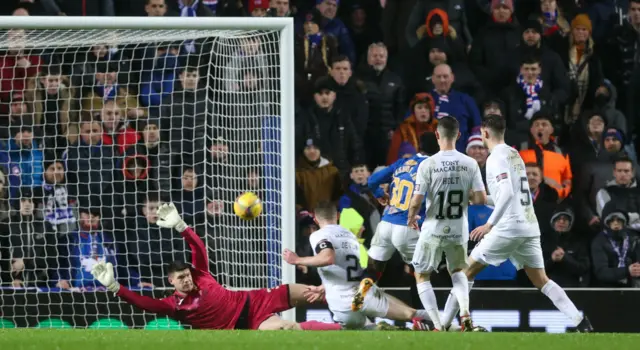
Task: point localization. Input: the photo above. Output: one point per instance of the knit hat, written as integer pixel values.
(323, 84)
(318, 2)
(507, 3)
(532, 24)
(563, 211)
(314, 16)
(474, 140)
(582, 20)
(422, 97)
(406, 148)
(312, 141)
(258, 4)
(49, 159)
(617, 134)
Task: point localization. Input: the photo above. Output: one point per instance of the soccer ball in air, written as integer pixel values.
(247, 206)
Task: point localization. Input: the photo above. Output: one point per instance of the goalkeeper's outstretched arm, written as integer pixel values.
(168, 217)
(103, 272)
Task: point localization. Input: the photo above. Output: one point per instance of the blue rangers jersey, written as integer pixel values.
(401, 177)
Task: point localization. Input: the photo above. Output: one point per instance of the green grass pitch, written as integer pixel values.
(19, 339)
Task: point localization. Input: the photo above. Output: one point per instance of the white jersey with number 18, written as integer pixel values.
(341, 279)
(519, 219)
(447, 178)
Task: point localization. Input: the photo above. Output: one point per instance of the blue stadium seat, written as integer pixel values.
(6, 323)
(108, 323)
(163, 324)
(53, 323)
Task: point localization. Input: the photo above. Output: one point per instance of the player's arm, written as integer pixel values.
(422, 181)
(325, 255)
(103, 272)
(168, 217)
(479, 193)
(383, 176)
(504, 193)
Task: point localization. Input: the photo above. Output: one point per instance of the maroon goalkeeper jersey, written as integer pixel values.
(209, 306)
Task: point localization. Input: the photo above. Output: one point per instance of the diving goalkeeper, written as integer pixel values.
(200, 301)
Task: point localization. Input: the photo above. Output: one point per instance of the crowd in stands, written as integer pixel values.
(93, 138)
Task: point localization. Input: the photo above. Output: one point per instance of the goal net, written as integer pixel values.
(100, 125)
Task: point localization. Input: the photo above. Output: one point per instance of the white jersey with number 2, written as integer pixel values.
(341, 279)
(447, 178)
(519, 219)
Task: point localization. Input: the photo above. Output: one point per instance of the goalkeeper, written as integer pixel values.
(200, 301)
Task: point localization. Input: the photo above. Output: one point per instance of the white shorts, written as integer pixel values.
(390, 237)
(522, 251)
(375, 304)
(429, 254)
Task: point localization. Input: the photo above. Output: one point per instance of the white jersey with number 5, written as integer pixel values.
(341, 279)
(447, 178)
(519, 219)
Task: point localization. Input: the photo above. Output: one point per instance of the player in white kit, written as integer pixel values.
(337, 257)
(449, 179)
(512, 230)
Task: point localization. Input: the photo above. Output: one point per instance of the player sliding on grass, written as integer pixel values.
(201, 302)
(336, 257)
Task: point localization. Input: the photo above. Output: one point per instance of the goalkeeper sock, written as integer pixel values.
(428, 299)
(562, 301)
(319, 326)
(461, 291)
(451, 308)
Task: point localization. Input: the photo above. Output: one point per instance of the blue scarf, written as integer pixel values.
(188, 11)
(57, 208)
(530, 90)
(314, 39)
(107, 92)
(550, 19)
(211, 4)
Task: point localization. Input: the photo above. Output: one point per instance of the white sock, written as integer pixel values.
(561, 301)
(451, 308)
(423, 315)
(428, 299)
(461, 291)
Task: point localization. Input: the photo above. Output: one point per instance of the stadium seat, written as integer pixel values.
(53, 323)
(108, 323)
(6, 323)
(163, 324)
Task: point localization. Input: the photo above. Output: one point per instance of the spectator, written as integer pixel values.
(583, 66)
(190, 8)
(16, 65)
(420, 121)
(90, 163)
(385, 93)
(545, 198)
(32, 251)
(86, 8)
(155, 8)
(545, 152)
(501, 35)
(258, 8)
(192, 198)
(159, 82)
(438, 29)
(95, 66)
(335, 27)
(157, 154)
(358, 196)
(117, 131)
(150, 247)
(362, 31)
(454, 11)
(623, 191)
(527, 95)
(350, 93)
(395, 16)
(479, 152)
(58, 109)
(317, 178)
(313, 53)
(23, 155)
(449, 102)
(131, 184)
(554, 23)
(306, 226)
(605, 102)
(56, 204)
(249, 55)
(565, 251)
(553, 73)
(587, 139)
(493, 106)
(21, 112)
(615, 252)
(620, 53)
(280, 8)
(5, 208)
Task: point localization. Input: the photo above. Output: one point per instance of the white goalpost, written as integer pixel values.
(104, 118)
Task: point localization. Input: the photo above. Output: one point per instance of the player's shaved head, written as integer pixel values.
(448, 128)
(495, 125)
(326, 211)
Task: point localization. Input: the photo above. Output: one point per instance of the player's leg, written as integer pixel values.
(529, 256)
(456, 256)
(297, 295)
(425, 260)
(379, 253)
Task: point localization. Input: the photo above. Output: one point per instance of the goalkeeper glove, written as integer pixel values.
(103, 272)
(168, 217)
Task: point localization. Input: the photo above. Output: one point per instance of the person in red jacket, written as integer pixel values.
(200, 301)
(17, 65)
(116, 131)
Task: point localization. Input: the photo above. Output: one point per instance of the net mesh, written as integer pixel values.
(98, 127)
